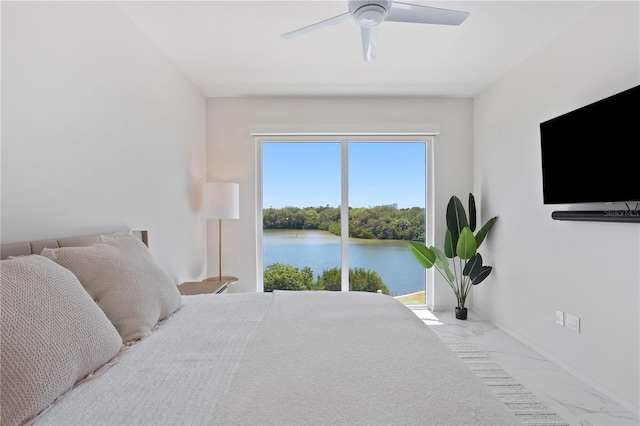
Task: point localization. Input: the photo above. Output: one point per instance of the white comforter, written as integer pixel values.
(285, 358)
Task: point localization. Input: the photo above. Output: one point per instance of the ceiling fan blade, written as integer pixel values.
(369, 42)
(325, 23)
(403, 12)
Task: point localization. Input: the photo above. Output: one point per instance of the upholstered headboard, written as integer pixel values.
(35, 247)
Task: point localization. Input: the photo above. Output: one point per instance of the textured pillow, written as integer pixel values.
(53, 335)
(122, 277)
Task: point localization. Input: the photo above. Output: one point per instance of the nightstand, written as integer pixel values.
(209, 285)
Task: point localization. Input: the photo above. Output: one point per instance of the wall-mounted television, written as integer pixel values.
(590, 155)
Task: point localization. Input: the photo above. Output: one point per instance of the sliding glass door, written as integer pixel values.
(300, 213)
(337, 215)
(387, 209)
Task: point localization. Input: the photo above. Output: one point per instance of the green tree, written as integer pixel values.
(270, 218)
(360, 279)
(311, 218)
(379, 222)
(334, 228)
(280, 276)
(331, 279)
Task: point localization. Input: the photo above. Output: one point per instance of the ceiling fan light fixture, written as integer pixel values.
(369, 15)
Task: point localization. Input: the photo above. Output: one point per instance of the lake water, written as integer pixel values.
(320, 250)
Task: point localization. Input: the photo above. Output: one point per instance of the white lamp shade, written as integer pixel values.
(221, 200)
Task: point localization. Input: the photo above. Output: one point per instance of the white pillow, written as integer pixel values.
(53, 335)
(122, 277)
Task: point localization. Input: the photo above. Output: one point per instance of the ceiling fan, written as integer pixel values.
(369, 14)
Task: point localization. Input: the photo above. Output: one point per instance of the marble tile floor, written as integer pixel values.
(573, 400)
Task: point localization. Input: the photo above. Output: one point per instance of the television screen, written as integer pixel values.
(589, 155)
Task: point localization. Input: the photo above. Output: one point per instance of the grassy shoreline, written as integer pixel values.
(417, 298)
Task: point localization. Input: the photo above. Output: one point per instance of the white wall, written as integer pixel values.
(589, 269)
(231, 157)
(99, 133)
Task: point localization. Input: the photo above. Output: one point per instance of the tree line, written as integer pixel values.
(379, 222)
(281, 276)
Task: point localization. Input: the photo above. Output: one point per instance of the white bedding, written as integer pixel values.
(285, 358)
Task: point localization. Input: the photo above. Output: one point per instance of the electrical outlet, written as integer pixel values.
(560, 318)
(572, 322)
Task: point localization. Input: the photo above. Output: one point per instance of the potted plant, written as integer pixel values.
(460, 245)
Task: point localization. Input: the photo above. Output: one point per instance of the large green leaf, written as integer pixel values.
(442, 263)
(467, 245)
(472, 212)
(450, 243)
(423, 254)
(456, 216)
(473, 266)
(484, 230)
(484, 273)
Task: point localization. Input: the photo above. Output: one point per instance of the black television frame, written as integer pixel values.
(578, 168)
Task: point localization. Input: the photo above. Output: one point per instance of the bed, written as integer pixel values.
(94, 333)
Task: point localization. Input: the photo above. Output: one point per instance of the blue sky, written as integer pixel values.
(307, 174)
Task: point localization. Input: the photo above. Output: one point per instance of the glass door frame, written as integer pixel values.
(344, 139)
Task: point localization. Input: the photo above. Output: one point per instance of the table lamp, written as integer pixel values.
(222, 201)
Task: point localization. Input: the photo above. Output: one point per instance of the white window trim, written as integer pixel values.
(298, 134)
(344, 130)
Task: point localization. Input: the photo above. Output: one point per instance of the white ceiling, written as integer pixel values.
(234, 48)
